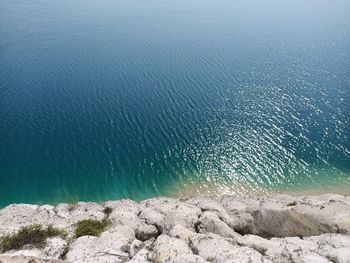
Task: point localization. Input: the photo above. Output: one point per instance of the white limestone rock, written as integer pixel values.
(26, 259)
(207, 204)
(111, 246)
(145, 232)
(333, 246)
(187, 258)
(152, 216)
(175, 212)
(209, 222)
(216, 249)
(67, 215)
(141, 257)
(135, 247)
(55, 247)
(283, 215)
(166, 248)
(31, 252)
(196, 230)
(124, 205)
(182, 233)
(16, 216)
(312, 258)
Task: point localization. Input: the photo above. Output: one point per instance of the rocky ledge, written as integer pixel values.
(279, 229)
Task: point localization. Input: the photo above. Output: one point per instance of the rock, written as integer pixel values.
(214, 248)
(279, 229)
(124, 212)
(67, 215)
(34, 252)
(283, 215)
(207, 204)
(129, 219)
(260, 244)
(124, 205)
(135, 247)
(55, 247)
(111, 246)
(314, 258)
(145, 232)
(152, 216)
(209, 222)
(237, 214)
(124, 232)
(182, 233)
(175, 212)
(13, 217)
(333, 246)
(273, 219)
(295, 249)
(26, 259)
(166, 248)
(339, 255)
(141, 257)
(334, 240)
(330, 211)
(188, 258)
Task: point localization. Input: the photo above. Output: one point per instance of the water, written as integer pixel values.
(133, 99)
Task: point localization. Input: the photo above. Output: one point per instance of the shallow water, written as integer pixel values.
(133, 99)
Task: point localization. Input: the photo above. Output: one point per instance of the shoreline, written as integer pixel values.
(277, 228)
(196, 189)
(193, 189)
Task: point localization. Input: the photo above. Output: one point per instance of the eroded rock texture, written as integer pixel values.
(281, 229)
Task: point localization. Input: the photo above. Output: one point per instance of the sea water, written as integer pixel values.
(133, 99)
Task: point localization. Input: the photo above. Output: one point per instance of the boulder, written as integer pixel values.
(209, 222)
(112, 246)
(187, 258)
(182, 233)
(175, 212)
(216, 249)
(55, 247)
(167, 248)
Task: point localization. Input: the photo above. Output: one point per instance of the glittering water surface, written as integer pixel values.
(133, 99)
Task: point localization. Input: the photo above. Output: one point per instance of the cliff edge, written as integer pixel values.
(279, 229)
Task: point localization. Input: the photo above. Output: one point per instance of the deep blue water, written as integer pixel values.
(132, 99)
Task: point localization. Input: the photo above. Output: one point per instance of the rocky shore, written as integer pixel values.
(226, 229)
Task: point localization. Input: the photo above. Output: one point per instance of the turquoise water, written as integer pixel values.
(133, 99)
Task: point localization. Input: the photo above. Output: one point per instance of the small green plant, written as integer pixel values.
(89, 227)
(56, 232)
(107, 211)
(294, 203)
(35, 235)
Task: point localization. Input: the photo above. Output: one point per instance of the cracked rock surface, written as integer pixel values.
(280, 229)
